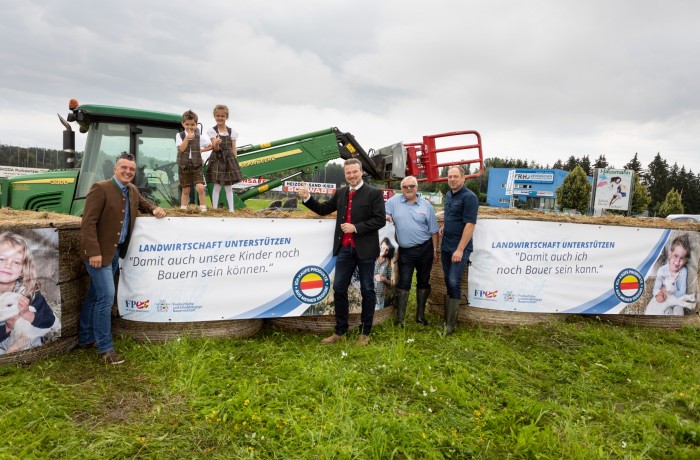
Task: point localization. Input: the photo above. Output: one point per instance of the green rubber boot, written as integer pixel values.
(401, 303)
(421, 298)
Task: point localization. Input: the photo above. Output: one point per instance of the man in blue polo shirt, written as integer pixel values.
(417, 235)
(461, 208)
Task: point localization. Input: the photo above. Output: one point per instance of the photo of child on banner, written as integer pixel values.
(28, 262)
(675, 277)
(385, 276)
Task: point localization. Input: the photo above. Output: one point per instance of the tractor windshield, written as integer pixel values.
(156, 175)
(155, 152)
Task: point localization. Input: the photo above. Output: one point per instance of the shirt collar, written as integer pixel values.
(463, 189)
(405, 200)
(359, 185)
(119, 184)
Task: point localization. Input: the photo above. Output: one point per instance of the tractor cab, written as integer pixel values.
(149, 136)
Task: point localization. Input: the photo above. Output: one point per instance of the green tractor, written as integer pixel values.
(150, 137)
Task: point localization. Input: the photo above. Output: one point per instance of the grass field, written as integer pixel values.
(577, 390)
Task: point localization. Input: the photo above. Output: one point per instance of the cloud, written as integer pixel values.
(540, 80)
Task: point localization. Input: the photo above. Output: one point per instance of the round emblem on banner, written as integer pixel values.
(311, 284)
(629, 285)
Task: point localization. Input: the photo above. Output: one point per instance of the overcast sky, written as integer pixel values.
(540, 80)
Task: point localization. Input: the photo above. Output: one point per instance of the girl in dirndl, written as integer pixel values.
(223, 161)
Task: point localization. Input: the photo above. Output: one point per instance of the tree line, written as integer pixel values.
(652, 185)
(30, 157)
(659, 188)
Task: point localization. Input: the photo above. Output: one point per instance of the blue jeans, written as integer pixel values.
(96, 315)
(345, 264)
(419, 258)
(453, 273)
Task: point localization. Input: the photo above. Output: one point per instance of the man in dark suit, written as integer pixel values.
(108, 219)
(360, 214)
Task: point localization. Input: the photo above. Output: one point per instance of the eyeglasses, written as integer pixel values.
(408, 186)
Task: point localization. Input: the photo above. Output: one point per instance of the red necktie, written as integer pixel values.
(349, 238)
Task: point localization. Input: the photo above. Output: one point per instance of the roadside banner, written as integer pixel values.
(314, 187)
(253, 182)
(12, 171)
(613, 189)
(553, 267)
(179, 269)
(509, 183)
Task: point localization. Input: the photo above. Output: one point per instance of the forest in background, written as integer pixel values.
(659, 177)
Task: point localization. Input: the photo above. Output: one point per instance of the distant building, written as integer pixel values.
(535, 188)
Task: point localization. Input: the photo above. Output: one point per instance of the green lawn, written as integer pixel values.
(581, 390)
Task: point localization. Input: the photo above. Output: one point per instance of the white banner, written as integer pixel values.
(314, 187)
(250, 182)
(553, 267)
(546, 178)
(182, 269)
(12, 171)
(509, 183)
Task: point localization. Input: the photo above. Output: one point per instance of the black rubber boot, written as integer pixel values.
(421, 298)
(401, 303)
(451, 310)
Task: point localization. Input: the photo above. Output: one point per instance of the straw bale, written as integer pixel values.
(324, 323)
(607, 219)
(247, 213)
(161, 332)
(72, 295)
(64, 285)
(632, 314)
(438, 290)
(13, 219)
(661, 322)
(52, 349)
(73, 282)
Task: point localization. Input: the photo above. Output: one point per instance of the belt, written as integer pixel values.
(420, 245)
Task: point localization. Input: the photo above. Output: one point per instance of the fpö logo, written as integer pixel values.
(139, 305)
(629, 285)
(481, 294)
(311, 284)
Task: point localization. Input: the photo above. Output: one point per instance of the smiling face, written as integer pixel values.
(220, 116)
(677, 259)
(125, 170)
(11, 264)
(353, 174)
(383, 249)
(409, 189)
(189, 125)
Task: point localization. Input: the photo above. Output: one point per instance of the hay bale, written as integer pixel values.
(72, 295)
(69, 260)
(73, 281)
(661, 322)
(438, 290)
(488, 317)
(632, 314)
(57, 347)
(61, 281)
(325, 323)
(161, 332)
